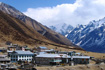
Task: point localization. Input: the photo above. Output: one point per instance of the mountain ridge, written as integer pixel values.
(90, 37)
(12, 29)
(62, 28)
(51, 35)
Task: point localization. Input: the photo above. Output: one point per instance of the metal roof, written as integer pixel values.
(61, 56)
(4, 59)
(49, 55)
(81, 57)
(42, 47)
(12, 46)
(3, 55)
(24, 52)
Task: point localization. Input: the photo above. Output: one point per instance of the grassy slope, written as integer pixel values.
(12, 29)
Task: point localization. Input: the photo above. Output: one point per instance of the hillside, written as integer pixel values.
(14, 30)
(45, 31)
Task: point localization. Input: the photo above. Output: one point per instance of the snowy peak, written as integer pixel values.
(62, 28)
(96, 24)
(80, 26)
(90, 37)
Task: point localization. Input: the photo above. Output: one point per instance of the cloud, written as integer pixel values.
(81, 12)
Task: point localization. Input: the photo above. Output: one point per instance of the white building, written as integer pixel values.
(21, 55)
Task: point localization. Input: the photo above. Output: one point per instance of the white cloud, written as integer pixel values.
(81, 12)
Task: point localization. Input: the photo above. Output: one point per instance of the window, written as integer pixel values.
(15, 56)
(11, 59)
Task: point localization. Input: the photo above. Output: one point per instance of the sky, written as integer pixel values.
(53, 12)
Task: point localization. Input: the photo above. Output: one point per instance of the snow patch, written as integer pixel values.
(86, 42)
(62, 28)
(0, 3)
(100, 34)
(66, 35)
(7, 10)
(79, 43)
(104, 30)
(83, 36)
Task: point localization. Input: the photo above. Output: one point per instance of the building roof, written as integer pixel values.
(3, 55)
(9, 51)
(81, 57)
(27, 48)
(49, 55)
(12, 46)
(42, 47)
(4, 58)
(24, 52)
(45, 55)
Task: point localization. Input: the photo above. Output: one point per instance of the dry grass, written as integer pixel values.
(14, 30)
(77, 67)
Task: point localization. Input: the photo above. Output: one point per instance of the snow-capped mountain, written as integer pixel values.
(62, 28)
(90, 37)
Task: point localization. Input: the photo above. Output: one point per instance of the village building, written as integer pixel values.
(51, 51)
(80, 59)
(11, 48)
(47, 59)
(21, 56)
(71, 58)
(42, 49)
(26, 49)
(2, 49)
(75, 58)
(8, 43)
(8, 66)
(15, 47)
(4, 59)
(71, 53)
(23, 48)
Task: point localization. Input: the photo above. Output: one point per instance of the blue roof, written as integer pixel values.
(42, 47)
(24, 52)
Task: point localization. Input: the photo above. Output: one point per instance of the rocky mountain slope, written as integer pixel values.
(62, 28)
(90, 37)
(14, 30)
(45, 31)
